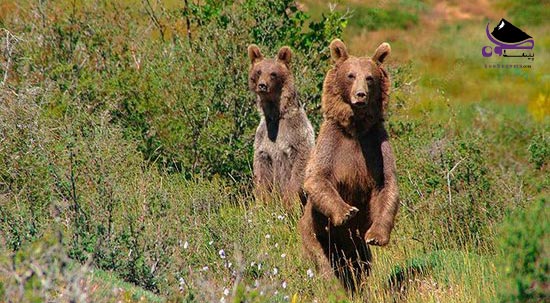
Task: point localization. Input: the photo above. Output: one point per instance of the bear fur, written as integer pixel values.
(350, 177)
(285, 137)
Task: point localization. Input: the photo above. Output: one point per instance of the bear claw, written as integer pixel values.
(376, 237)
(350, 213)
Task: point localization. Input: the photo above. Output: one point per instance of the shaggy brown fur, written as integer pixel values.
(350, 178)
(284, 137)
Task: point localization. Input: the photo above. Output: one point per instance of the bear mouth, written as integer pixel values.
(359, 104)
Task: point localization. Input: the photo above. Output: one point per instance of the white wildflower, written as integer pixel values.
(182, 284)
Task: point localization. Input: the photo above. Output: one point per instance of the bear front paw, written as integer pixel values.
(377, 235)
(343, 217)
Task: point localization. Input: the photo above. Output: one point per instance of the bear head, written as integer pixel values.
(268, 77)
(356, 86)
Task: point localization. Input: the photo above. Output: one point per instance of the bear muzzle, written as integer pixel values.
(262, 88)
(359, 99)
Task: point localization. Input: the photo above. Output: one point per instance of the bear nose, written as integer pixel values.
(361, 94)
(262, 87)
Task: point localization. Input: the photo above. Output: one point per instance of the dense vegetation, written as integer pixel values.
(126, 132)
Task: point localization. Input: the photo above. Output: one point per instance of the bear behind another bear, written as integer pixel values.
(284, 137)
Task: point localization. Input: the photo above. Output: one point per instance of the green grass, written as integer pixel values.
(41, 271)
(125, 158)
(108, 284)
(365, 18)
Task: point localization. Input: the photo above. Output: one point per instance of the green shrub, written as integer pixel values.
(93, 116)
(42, 272)
(446, 175)
(539, 150)
(184, 97)
(524, 254)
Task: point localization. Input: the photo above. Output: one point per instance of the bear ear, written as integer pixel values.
(254, 53)
(381, 53)
(338, 50)
(284, 55)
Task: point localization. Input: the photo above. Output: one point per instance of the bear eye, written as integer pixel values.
(273, 75)
(258, 72)
(370, 79)
(351, 76)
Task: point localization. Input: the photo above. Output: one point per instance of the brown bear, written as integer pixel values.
(350, 178)
(285, 136)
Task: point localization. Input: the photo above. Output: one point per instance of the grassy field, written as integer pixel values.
(126, 134)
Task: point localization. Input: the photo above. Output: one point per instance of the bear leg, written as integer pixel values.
(263, 175)
(313, 248)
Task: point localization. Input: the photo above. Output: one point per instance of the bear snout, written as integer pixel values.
(262, 87)
(361, 95)
(359, 99)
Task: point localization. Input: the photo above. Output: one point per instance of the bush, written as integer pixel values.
(110, 125)
(524, 254)
(539, 149)
(445, 175)
(42, 272)
(184, 96)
